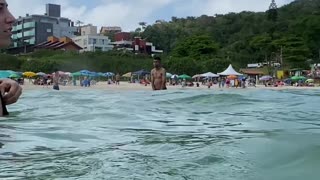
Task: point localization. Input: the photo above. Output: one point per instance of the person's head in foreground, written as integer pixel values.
(157, 62)
(6, 22)
(9, 88)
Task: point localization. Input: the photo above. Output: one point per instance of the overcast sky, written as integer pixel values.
(127, 13)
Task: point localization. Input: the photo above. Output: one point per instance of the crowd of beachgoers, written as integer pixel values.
(227, 79)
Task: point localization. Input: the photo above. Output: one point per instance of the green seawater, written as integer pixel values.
(176, 135)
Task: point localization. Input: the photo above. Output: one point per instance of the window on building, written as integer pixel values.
(94, 41)
(49, 30)
(98, 48)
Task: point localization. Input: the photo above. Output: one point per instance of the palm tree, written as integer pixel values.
(79, 23)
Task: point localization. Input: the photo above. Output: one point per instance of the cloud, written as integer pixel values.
(128, 13)
(123, 13)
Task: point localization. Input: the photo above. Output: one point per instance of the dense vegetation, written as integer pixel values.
(249, 37)
(47, 61)
(206, 43)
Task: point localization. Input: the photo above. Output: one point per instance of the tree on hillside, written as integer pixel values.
(295, 51)
(143, 25)
(196, 47)
(194, 55)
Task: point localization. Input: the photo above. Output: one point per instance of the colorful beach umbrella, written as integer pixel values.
(184, 76)
(209, 75)
(129, 74)
(29, 74)
(109, 74)
(196, 76)
(14, 75)
(232, 77)
(85, 72)
(174, 76)
(142, 72)
(41, 74)
(168, 75)
(4, 74)
(68, 73)
(11, 72)
(298, 78)
(265, 78)
(310, 80)
(93, 74)
(101, 74)
(76, 74)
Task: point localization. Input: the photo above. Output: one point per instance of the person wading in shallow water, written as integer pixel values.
(118, 79)
(56, 81)
(158, 75)
(10, 90)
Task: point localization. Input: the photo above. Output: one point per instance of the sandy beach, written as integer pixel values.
(125, 86)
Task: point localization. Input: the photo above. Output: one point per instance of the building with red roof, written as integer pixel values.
(54, 43)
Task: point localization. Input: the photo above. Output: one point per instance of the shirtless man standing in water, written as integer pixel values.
(158, 75)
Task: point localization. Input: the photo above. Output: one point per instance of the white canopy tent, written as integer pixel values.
(230, 71)
(209, 75)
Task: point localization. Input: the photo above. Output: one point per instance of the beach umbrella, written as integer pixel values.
(76, 74)
(4, 74)
(168, 75)
(11, 72)
(129, 74)
(109, 74)
(19, 73)
(209, 75)
(287, 81)
(61, 73)
(93, 74)
(298, 78)
(175, 76)
(14, 75)
(41, 74)
(232, 77)
(68, 73)
(184, 76)
(242, 77)
(310, 80)
(85, 72)
(101, 74)
(196, 76)
(29, 74)
(265, 78)
(141, 72)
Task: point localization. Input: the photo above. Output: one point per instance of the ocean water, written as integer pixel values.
(176, 135)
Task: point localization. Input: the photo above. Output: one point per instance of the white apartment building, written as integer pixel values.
(93, 43)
